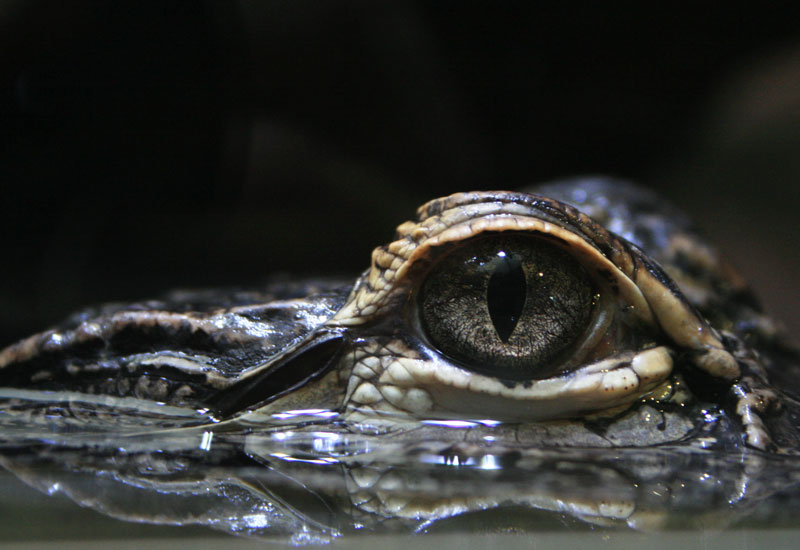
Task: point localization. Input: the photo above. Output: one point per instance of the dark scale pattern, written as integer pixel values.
(179, 350)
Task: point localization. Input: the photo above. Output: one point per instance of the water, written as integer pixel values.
(309, 478)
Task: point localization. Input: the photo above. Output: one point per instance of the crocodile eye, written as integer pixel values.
(508, 305)
(517, 307)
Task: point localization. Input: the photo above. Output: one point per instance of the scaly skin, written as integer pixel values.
(304, 375)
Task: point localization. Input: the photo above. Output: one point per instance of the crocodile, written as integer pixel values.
(581, 330)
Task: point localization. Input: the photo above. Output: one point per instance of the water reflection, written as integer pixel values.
(313, 481)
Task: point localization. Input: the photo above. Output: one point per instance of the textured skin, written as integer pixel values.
(305, 376)
(233, 352)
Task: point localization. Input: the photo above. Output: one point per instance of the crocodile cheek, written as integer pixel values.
(422, 387)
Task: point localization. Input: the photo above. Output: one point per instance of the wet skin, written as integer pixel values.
(497, 328)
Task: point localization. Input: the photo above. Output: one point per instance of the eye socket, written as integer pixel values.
(511, 306)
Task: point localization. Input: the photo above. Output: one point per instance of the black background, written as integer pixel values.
(150, 145)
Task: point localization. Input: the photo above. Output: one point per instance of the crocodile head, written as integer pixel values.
(584, 314)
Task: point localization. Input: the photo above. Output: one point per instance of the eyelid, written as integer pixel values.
(402, 279)
(600, 267)
(594, 387)
(651, 295)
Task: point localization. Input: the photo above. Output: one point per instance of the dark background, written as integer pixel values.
(149, 145)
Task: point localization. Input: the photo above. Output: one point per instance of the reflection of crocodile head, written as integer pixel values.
(498, 325)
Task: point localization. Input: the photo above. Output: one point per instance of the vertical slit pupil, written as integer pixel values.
(505, 294)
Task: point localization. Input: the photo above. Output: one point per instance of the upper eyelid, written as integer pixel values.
(395, 267)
